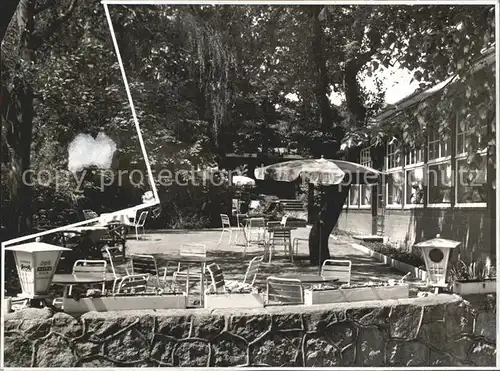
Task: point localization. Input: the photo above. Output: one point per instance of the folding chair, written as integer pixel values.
(284, 291)
(140, 224)
(340, 269)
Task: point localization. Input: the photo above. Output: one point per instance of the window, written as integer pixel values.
(438, 169)
(394, 187)
(366, 195)
(415, 186)
(466, 136)
(438, 147)
(393, 155)
(414, 178)
(365, 157)
(354, 196)
(439, 183)
(394, 174)
(471, 171)
(471, 180)
(365, 191)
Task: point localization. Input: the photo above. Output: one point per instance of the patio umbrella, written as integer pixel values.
(240, 180)
(323, 172)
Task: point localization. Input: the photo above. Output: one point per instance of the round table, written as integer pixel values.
(189, 260)
(309, 278)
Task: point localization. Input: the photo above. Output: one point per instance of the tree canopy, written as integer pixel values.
(207, 80)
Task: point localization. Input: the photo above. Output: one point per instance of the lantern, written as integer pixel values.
(436, 254)
(36, 263)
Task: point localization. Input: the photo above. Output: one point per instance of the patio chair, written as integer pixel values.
(190, 249)
(284, 291)
(89, 214)
(340, 269)
(97, 267)
(280, 237)
(255, 225)
(140, 224)
(217, 282)
(146, 265)
(226, 227)
(252, 270)
(117, 262)
(133, 284)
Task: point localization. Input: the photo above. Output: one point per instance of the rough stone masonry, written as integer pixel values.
(442, 330)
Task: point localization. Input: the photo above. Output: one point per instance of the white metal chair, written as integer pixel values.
(89, 214)
(97, 267)
(340, 269)
(217, 283)
(250, 274)
(190, 249)
(284, 291)
(226, 227)
(255, 225)
(133, 284)
(118, 263)
(140, 224)
(252, 270)
(146, 265)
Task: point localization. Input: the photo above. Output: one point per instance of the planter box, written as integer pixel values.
(356, 294)
(478, 287)
(416, 273)
(236, 300)
(114, 303)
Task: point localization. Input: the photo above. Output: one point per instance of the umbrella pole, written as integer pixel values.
(320, 246)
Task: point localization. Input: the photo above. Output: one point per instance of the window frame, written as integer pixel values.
(412, 166)
(365, 159)
(394, 145)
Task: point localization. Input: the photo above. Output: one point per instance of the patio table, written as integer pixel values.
(108, 218)
(95, 232)
(189, 260)
(67, 280)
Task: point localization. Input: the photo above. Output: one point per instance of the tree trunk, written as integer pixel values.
(332, 202)
(18, 114)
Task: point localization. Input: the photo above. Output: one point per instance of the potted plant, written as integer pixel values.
(94, 300)
(324, 294)
(473, 278)
(234, 295)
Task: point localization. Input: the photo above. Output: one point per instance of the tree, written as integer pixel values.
(18, 96)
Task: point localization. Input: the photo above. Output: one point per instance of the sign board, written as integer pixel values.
(36, 263)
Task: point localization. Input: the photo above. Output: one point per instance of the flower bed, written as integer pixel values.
(366, 292)
(413, 258)
(235, 295)
(93, 300)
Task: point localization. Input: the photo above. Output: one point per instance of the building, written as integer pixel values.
(442, 184)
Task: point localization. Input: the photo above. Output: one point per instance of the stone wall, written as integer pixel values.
(442, 330)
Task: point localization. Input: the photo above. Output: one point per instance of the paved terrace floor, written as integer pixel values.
(234, 265)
